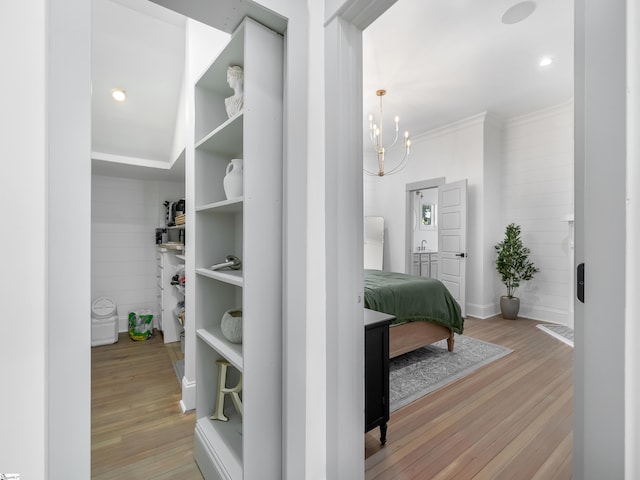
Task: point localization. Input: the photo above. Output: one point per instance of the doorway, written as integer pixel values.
(421, 236)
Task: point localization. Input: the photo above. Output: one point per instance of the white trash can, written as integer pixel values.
(104, 322)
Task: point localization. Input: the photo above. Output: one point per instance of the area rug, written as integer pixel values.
(561, 332)
(422, 371)
(178, 366)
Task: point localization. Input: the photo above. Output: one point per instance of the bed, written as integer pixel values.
(425, 311)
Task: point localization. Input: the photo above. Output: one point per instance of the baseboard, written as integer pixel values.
(482, 311)
(188, 401)
(552, 315)
(561, 317)
(123, 323)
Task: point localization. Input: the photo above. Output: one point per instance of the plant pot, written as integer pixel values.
(509, 307)
(231, 325)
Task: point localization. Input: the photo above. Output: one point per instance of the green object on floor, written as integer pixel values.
(140, 325)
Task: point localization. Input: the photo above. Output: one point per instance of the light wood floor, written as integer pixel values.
(138, 431)
(509, 420)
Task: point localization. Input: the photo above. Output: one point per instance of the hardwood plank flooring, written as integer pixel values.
(137, 428)
(509, 419)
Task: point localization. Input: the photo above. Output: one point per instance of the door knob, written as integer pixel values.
(461, 255)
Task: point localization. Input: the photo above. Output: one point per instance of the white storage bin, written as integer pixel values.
(104, 322)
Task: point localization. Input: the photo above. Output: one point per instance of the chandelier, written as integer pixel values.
(375, 134)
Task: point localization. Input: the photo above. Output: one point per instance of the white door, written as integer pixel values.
(452, 239)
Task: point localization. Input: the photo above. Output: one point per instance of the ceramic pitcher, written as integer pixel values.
(233, 179)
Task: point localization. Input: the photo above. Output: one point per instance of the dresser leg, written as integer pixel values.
(383, 433)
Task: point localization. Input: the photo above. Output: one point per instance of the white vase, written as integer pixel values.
(231, 325)
(233, 179)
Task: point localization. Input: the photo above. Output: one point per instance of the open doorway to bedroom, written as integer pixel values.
(497, 115)
(517, 153)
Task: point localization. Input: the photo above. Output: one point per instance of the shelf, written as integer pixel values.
(248, 448)
(167, 294)
(231, 351)
(233, 277)
(222, 442)
(225, 139)
(214, 77)
(226, 206)
(171, 246)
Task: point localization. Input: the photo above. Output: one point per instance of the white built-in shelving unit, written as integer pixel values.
(168, 259)
(249, 227)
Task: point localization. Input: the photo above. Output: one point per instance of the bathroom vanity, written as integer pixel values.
(425, 264)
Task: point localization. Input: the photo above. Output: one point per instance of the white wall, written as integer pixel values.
(600, 414)
(124, 215)
(45, 356)
(518, 171)
(456, 152)
(68, 144)
(537, 185)
(23, 357)
(632, 333)
(492, 226)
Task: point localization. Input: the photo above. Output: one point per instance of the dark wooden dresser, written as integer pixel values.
(376, 371)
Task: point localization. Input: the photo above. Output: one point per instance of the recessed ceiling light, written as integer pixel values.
(545, 61)
(518, 12)
(119, 95)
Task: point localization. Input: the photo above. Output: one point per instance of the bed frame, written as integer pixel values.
(406, 337)
(403, 337)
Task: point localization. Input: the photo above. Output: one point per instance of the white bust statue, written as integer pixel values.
(234, 103)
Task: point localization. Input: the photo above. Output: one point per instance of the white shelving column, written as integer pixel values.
(249, 227)
(169, 295)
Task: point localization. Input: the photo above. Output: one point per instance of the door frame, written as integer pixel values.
(410, 189)
(601, 28)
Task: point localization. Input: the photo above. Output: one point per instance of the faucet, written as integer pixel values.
(422, 245)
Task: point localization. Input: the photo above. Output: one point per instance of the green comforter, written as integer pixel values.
(411, 299)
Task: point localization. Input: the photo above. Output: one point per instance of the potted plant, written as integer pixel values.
(514, 267)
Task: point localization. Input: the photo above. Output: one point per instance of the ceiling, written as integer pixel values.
(140, 47)
(444, 60)
(439, 60)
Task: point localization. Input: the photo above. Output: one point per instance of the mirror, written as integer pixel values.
(427, 217)
(425, 209)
